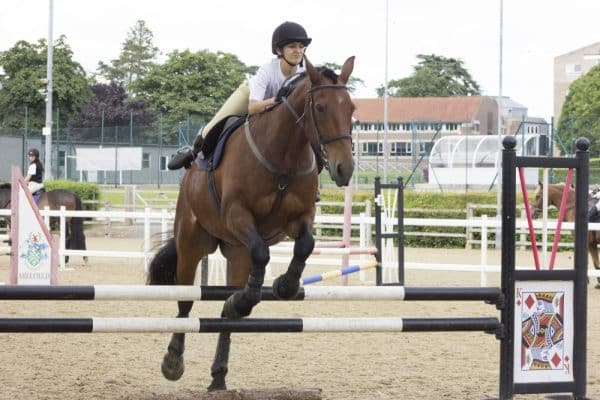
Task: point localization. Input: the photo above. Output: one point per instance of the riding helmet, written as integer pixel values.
(288, 32)
(34, 152)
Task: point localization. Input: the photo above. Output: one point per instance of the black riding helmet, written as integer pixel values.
(34, 152)
(288, 32)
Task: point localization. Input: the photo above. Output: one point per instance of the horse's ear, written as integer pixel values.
(347, 70)
(313, 73)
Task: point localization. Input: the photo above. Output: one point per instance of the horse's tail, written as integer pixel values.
(77, 240)
(163, 266)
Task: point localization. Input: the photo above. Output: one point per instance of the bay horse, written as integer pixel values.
(54, 199)
(555, 193)
(263, 190)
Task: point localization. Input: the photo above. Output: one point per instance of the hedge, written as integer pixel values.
(85, 190)
(417, 204)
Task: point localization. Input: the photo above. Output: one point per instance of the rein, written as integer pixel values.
(282, 177)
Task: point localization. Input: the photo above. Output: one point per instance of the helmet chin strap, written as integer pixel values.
(289, 63)
(301, 63)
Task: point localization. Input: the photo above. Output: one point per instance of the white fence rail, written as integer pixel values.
(365, 223)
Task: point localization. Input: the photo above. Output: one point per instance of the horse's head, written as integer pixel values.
(555, 194)
(537, 205)
(328, 110)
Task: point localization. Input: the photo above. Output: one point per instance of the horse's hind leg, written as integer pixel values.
(286, 285)
(192, 244)
(241, 266)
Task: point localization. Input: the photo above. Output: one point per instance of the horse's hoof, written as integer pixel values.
(218, 383)
(284, 288)
(172, 366)
(231, 310)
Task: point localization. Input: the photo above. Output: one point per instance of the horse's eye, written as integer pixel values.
(319, 107)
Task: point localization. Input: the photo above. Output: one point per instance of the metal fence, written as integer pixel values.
(158, 143)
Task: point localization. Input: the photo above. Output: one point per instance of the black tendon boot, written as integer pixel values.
(320, 164)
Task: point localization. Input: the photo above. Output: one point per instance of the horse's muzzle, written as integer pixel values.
(341, 172)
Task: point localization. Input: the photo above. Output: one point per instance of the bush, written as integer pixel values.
(450, 205)
(85, 190)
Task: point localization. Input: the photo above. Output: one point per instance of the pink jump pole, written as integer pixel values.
(561, 217)
(346, 233)
(536, 256)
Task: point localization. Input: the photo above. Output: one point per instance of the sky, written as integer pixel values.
(534, 33)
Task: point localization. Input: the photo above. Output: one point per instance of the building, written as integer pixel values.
(570, 66)
(414, 124)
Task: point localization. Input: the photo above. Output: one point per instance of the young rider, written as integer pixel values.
(288, 43)
(35, 171)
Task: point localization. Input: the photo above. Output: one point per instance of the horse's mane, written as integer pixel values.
(328, 73)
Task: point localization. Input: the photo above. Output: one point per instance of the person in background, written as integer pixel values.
(35, 171)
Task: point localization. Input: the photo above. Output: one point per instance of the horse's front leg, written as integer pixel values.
(286, 286)
(240, 304)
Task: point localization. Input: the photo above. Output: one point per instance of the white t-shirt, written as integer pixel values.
(268, 80)
(31, 170)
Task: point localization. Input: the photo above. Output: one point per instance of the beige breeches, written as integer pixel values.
(236, 104)
(34, 186)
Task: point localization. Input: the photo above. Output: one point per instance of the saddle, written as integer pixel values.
(211, 152)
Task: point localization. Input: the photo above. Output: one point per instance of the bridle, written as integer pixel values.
(329, 139)
(311, 102)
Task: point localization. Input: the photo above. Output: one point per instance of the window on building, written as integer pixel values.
(369, 148)
(401, 148)
(425, 148)
(573, 68)
(163, 162)
(61, 158)
(145, 160)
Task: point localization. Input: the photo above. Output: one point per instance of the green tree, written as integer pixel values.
(580, 114)
(136, 58)
(191, 85)
(22, 83)
(435, 76)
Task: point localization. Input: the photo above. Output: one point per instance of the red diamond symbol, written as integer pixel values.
(556, 360)
(529, 301)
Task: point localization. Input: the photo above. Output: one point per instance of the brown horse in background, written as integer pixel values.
(54, 199)
(263, 190)
(555, 193)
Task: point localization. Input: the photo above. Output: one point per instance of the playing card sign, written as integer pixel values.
(544, 330)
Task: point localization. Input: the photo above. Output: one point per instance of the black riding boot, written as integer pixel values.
(186, 155)
(183, 158)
